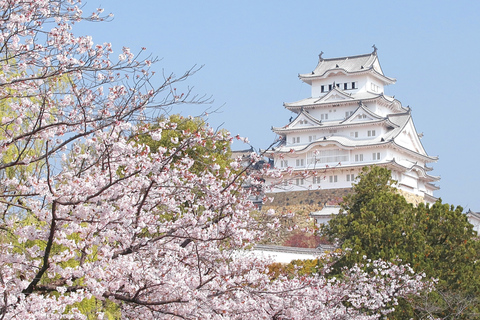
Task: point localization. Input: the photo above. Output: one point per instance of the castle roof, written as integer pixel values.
(291, 127)
(329, 98)
(347, 65)
(397, 122)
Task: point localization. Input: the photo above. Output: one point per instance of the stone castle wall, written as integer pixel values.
(302, 203)
(308, 200)
(410, 197)
(314, 200)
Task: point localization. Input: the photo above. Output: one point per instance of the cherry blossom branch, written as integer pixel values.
(46, 254)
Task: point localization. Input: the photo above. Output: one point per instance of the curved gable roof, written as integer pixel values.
(361, 109)
(295, 123)
(334, 95)
(348, 65)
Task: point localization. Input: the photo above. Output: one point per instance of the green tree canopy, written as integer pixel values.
(212, 152)
(378, 223)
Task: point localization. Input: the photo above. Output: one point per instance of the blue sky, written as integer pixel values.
(252, 52)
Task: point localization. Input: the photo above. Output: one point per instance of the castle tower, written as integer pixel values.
(346, 124)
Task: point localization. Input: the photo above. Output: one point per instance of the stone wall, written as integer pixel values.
(411, 198)
(301, 204)
(305, 201)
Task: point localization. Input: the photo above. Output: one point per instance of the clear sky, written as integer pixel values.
(253, 51)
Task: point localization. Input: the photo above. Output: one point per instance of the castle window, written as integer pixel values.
(284, 163)
(333, 179)
(327, 156)
(316, 180)
(299, 181)
(354, 85)
(358, 157)
(376, 156)
(323, 88)
(300, 162)
(345, 86)
(324, 116)
(312, 138)
(348, 113)
(371, 133)
(329, 87)
(296, 140)
(350, 177)
(354, 134)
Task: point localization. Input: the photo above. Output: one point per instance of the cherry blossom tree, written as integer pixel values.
(97, 215)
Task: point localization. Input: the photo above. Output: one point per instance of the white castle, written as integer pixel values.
(346, 124)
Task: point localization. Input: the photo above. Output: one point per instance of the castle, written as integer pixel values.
(346, 124)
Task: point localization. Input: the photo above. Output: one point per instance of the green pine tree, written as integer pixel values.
(437, 239)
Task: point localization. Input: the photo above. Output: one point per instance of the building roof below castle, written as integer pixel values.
(326, 211)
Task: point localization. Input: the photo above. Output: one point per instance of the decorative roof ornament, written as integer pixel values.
(360, 103)
(320, 56)
(374, 50)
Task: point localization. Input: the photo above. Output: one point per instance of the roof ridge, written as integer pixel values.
(348, 57)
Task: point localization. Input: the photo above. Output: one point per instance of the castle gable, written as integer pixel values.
(335, 95)
(362, 114)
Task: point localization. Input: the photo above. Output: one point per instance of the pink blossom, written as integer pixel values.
(90, 212)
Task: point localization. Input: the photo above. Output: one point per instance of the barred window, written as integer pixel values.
(327, 156)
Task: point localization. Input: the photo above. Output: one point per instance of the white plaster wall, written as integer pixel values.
(322, 220)
(335, 113)
(409, 181)
(475, 222)
(421, 186)
(304, 138)
(311, 184)
(368, 158)
(375, 81)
